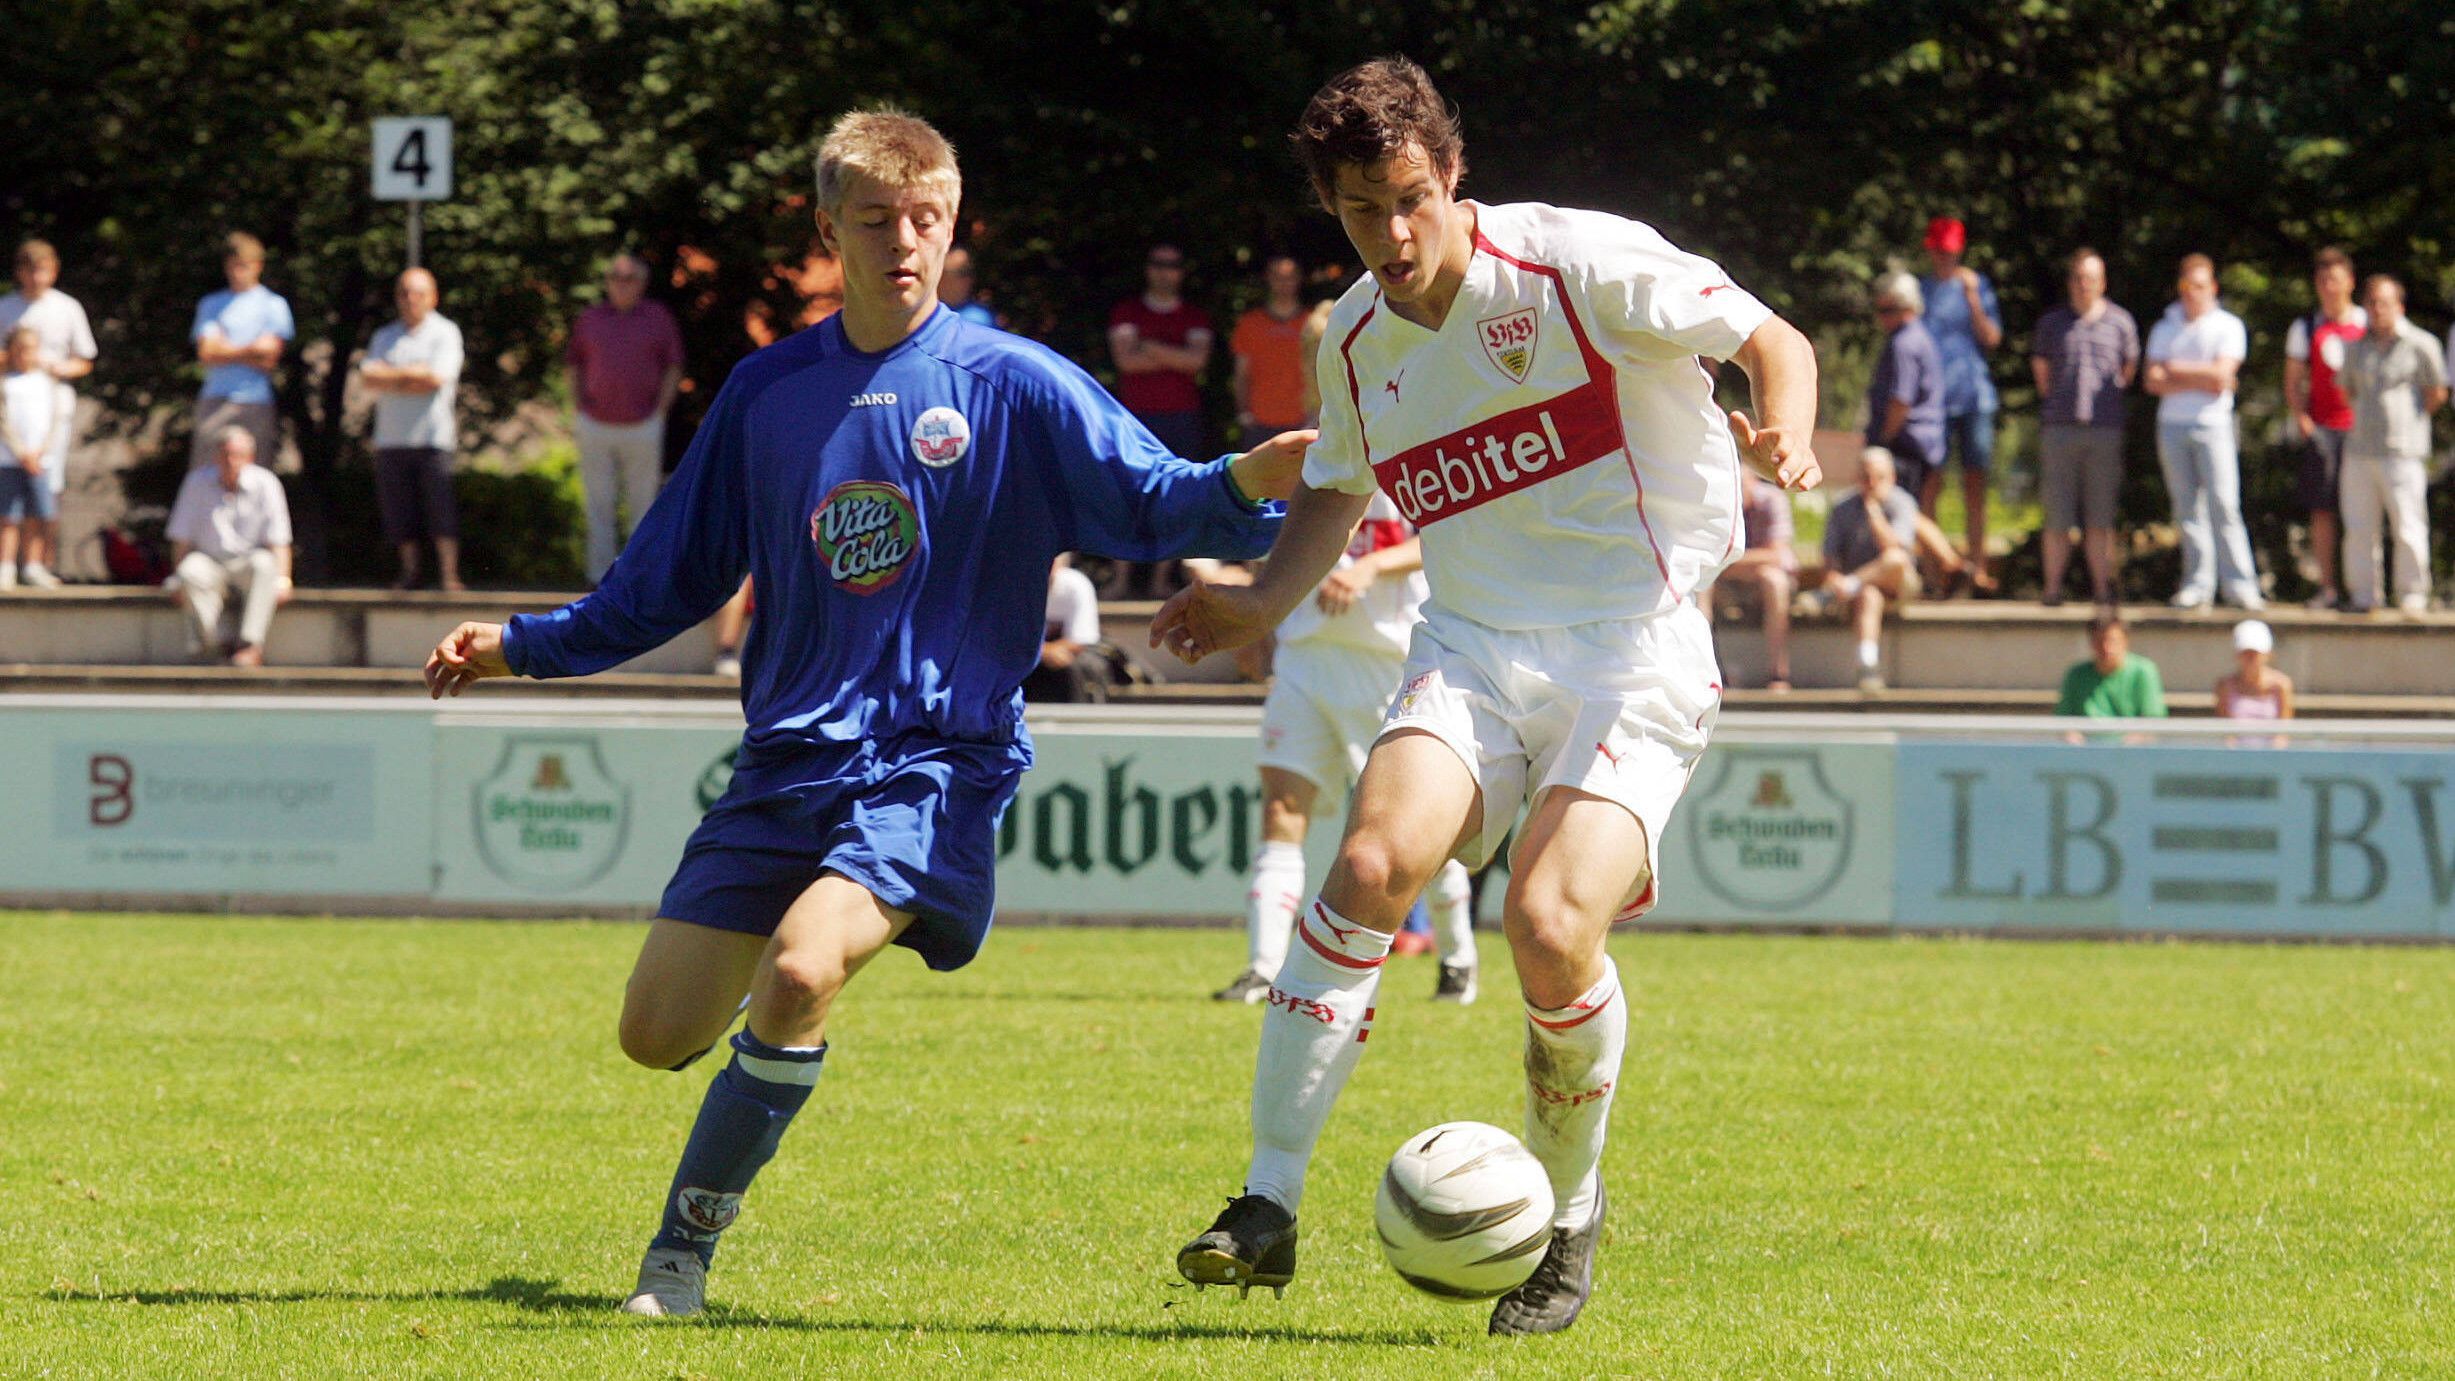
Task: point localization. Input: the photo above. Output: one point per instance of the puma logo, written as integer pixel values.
(1615, 758)
(1718, 287)
(1392, 384)
(1339, 932)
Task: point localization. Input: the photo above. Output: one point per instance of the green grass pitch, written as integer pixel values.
(258, 1148)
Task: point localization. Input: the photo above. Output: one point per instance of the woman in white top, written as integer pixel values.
(2256, 689)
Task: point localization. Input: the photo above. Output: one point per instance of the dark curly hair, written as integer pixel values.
(1371, 112)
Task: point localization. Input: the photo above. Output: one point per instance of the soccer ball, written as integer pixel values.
(1464, 1211)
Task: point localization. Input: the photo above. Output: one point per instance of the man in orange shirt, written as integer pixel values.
(1268, 344)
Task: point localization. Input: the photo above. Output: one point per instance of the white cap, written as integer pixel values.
(2250, 635)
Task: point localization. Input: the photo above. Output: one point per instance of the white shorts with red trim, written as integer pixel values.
(1621, 709)
(1326, 703)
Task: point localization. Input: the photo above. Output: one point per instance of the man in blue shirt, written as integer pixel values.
(1962, 316)
(240, 334)
(896, 480)
(1905, 394)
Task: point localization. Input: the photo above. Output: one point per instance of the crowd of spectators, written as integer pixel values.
(2361, 383)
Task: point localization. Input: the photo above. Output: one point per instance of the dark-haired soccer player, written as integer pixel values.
(1524, 383)
(897, 480)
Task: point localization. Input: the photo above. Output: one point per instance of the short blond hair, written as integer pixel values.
(890, 147)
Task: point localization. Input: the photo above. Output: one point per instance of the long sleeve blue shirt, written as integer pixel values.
(897, 512)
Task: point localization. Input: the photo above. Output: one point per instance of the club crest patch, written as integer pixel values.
(866, 532)
(708, 1211)
(1509, 340)
(940, 438)
(1413, 691)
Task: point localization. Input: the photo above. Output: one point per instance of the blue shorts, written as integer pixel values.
(1969, 437)
(913, 819)
(23, 495)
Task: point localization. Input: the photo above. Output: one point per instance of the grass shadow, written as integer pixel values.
(547, 1297)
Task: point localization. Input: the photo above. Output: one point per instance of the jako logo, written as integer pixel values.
(866, 532)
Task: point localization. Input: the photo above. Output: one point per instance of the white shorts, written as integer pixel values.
(1324, 710)
(1620, 708)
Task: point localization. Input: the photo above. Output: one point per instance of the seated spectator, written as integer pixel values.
(230, 533)
(2256, 689)
(2395, 373)
(1768, 570)
(1871, 544)
(732, 622)
(30, 421)
(2111, 683)
(1069, 671)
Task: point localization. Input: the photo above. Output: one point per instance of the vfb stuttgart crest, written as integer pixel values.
(550, 817)
(1770, 833)
(866, 532)
(940, 438)
(1509, 341)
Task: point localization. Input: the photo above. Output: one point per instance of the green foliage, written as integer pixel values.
(1804, 142)
(524, 529)
(396, 1148)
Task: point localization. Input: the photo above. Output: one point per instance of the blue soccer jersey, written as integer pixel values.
(897, 513)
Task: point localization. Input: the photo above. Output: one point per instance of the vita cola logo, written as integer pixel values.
(866, 531)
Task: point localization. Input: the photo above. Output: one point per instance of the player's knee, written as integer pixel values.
(650, 1040)
(805, 980)
(1544, 924)
(1372, 867)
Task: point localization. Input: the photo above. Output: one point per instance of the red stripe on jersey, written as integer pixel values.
(1738, 474)
(1600, 375)
(1378, 534)
(1355, 394)
(1501, 455)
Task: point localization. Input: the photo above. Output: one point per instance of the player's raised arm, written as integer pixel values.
(685, 559)
(1203, 618)
(1122, 494)
(1781, 368)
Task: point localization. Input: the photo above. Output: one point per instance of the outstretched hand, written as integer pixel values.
(1778, 453)
(1204, 618)
(468, 654)
(1273, 469)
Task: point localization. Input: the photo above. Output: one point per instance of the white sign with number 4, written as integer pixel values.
(413, 158)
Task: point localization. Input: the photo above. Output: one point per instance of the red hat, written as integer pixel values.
(1946, 234)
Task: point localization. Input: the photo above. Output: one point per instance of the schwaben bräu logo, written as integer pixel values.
(550, 816)
(1770, 833)
(866, 533)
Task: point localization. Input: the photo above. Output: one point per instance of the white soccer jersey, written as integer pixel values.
(1557, 439)
(1383, 617)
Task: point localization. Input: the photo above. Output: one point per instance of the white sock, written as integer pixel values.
(1271, 899)
(1320, 1013)
(1452, 900)
(1869, 654)
(1850, 586)
(1572, 1063)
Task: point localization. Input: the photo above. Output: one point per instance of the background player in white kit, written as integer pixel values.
(1340, 654)
(1523, 382)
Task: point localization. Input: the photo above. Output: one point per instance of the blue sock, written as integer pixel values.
(749, 1104)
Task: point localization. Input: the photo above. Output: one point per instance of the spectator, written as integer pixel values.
(240, 335)
(230, 533)
(2110, 683)
(64, 349)
(956, 285)
(413, 369)
(2194, 357)
(1871, 543)
(2256, 689)
(2084, 358)
(732, 622)
(1768, 569)
(626, 366)
(1905, 396)
(1161, 345)
(1268, 345)
(1967, 324)
(2322, 415)
(2395, 375)
(29, 417)
(1069, 642)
